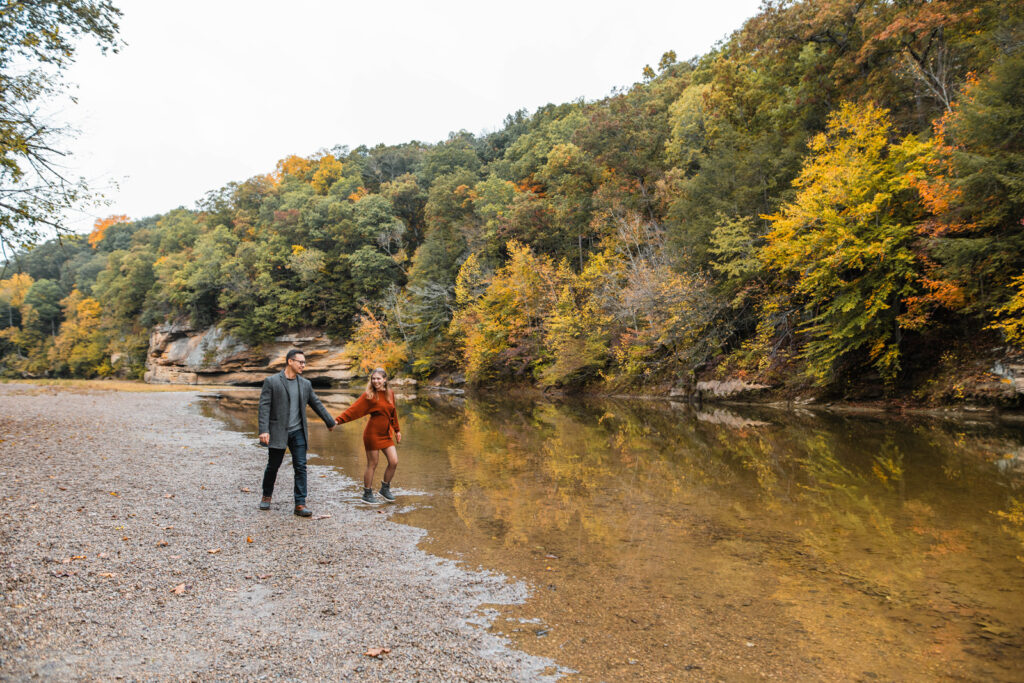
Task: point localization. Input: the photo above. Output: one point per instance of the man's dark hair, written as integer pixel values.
(293, 353)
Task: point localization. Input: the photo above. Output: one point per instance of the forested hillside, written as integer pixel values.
(834, 195)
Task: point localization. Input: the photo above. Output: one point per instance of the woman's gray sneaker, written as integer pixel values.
(385, 490)
(368, 497)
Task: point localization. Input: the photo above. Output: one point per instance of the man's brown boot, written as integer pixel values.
(265, 503)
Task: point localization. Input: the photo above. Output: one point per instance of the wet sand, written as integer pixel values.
(131, 548)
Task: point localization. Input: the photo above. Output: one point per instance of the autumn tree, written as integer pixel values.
(80, 346)
(502, 329)
(373, 346)
(38, 42)
(975, 189)
(12, 295)
(99, 228)
(578, 328)
(846, 240)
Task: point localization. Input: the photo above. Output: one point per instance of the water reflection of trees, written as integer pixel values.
(882, 497)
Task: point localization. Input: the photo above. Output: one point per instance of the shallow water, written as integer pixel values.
(664, 542)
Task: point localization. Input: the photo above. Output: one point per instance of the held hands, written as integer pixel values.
(265, 438)
(398, 437)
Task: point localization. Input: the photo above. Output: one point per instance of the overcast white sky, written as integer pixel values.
(206, 92)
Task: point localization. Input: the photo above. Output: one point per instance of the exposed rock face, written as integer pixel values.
(730, 388)
(179, 354)
(1011, 371)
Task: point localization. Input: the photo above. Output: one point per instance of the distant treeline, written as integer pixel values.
(834, 194)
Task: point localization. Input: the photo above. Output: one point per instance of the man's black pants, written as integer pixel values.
(297, 447)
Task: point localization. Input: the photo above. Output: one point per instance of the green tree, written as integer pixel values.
(977, 191)
(44, 297)
(456, 154)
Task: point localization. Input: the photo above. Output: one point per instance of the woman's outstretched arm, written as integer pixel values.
(355, 411)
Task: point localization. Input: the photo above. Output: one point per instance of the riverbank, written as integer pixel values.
(131, 547)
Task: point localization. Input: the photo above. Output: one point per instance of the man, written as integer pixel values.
(282, 423)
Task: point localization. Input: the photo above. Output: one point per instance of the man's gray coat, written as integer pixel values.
(273, 412)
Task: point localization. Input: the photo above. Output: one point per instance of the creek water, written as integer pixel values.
(663, 542)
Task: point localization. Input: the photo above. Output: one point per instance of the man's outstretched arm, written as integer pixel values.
(314, 401)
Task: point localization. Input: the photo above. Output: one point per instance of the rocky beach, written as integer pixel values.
(131, 548)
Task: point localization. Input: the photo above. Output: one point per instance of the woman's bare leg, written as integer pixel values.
(391, 453)
(371, 467)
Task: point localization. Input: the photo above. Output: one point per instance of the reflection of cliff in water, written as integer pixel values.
(834, 543)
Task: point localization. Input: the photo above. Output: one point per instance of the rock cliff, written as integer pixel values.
(179, 354)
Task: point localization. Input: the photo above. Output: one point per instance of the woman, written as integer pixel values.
(379, 403)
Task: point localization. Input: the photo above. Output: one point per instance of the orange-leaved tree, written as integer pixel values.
(99, 228)
(373, 347)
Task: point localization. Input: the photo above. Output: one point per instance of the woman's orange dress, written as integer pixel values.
(383, 418)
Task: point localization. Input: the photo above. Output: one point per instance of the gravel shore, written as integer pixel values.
(131, 548)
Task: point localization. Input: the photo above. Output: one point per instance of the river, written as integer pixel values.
(663, 542)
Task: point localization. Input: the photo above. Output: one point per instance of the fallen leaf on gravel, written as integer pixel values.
(264, 576)
(168, 527)
(107, 575)
(213, 551)
(161, 544)
(62, 488)
(124, 538)
(78, 557)
(551, 557)
(321, 517)
(248, 539)
(168, 495)
(179, 589)
(377, 651)
(245, 489)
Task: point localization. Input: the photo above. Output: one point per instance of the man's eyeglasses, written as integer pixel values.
(300, 362)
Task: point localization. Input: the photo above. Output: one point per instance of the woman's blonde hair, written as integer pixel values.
(370, 392)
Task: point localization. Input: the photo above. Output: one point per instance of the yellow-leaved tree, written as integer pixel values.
(373, 347)
(80, 346)
(501, 329)
(846, 241)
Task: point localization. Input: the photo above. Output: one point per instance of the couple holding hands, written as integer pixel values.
(282, 424)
